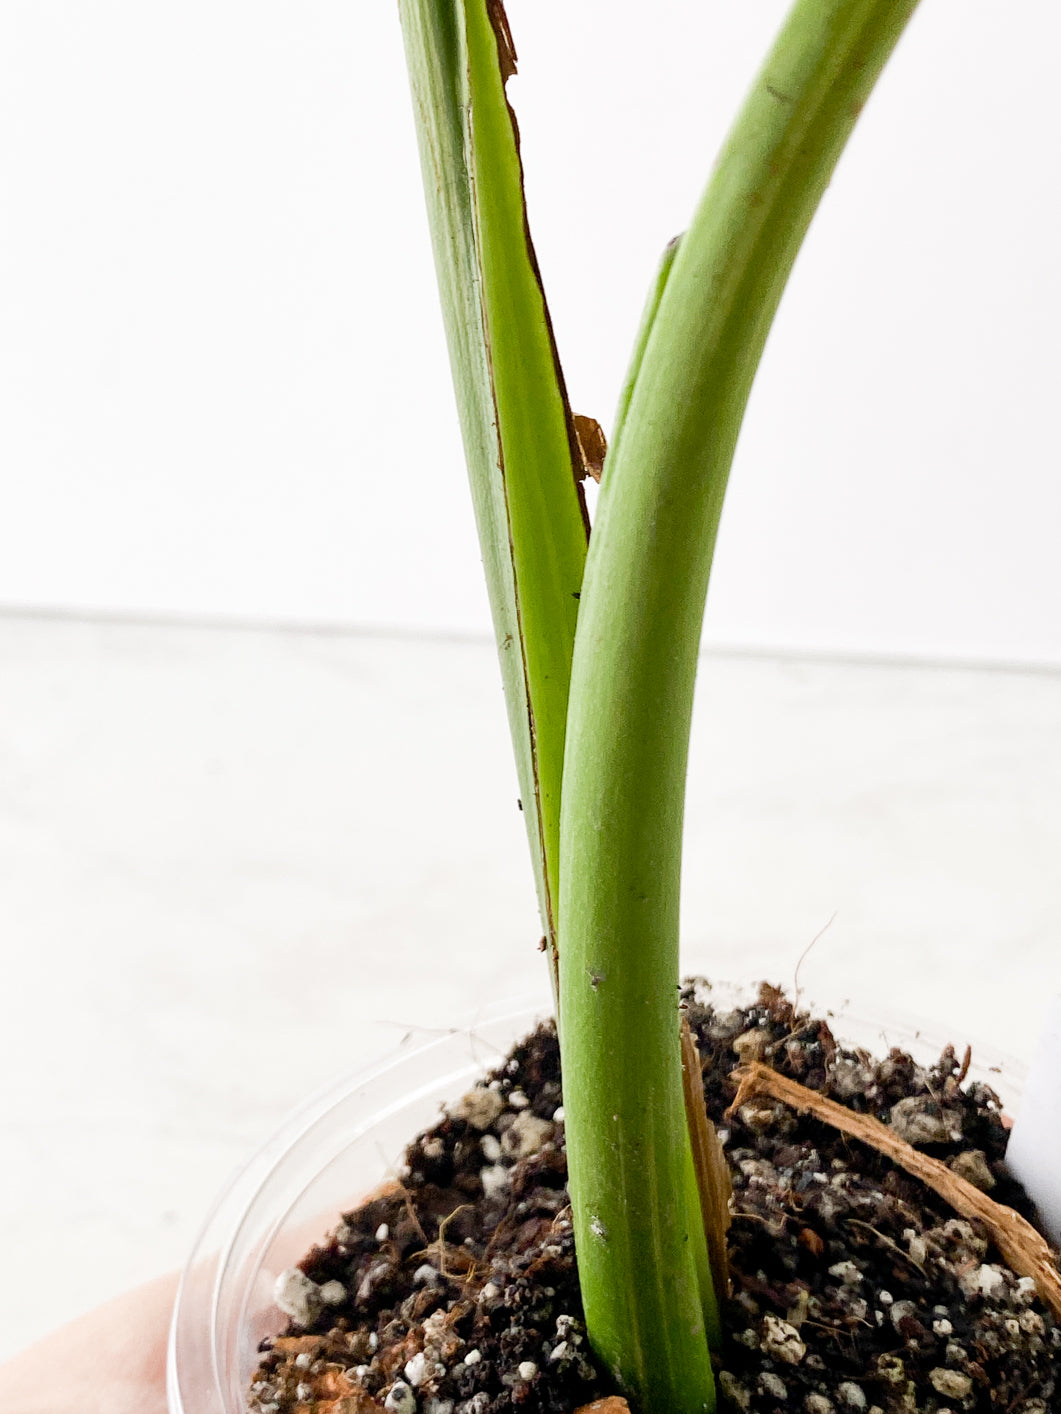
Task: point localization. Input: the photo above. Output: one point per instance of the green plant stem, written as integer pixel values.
(632, 688)
(644, 329)
(518, 433)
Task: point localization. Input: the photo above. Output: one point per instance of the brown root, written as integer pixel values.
(1023, 1249)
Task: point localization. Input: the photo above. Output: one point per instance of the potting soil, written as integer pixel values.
(856, 1290)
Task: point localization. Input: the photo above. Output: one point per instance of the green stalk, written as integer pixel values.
(648, 318)
(632, 688)
(519, 438)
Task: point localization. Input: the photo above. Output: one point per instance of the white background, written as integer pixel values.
(222, 370)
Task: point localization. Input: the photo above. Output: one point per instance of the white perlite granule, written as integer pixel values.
(495, 1180)
(401, 1399)
(480, 1107)
(782, 1341)
(526, 1135)
(297, 1296)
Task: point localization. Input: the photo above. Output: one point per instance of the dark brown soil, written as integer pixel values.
(856, 1290)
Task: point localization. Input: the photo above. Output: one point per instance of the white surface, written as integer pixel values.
(224, 388)
(1034, 1150)
(233, 865)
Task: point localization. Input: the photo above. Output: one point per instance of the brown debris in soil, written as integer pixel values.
(1026, 1250)
(712, 1173)
(856, 1289)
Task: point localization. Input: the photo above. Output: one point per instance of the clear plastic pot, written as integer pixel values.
(345, 1142)
(332, 1152)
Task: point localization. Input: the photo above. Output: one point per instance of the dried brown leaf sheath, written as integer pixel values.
(506, 49)
(712, 1172)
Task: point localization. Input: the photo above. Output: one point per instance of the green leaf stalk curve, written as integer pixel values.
(632, 689)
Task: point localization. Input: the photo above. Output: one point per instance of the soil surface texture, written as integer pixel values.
(856, 1290)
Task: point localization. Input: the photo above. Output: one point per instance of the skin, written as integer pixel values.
(112, 1361)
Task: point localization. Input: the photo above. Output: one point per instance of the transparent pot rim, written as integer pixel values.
(194, 1350)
